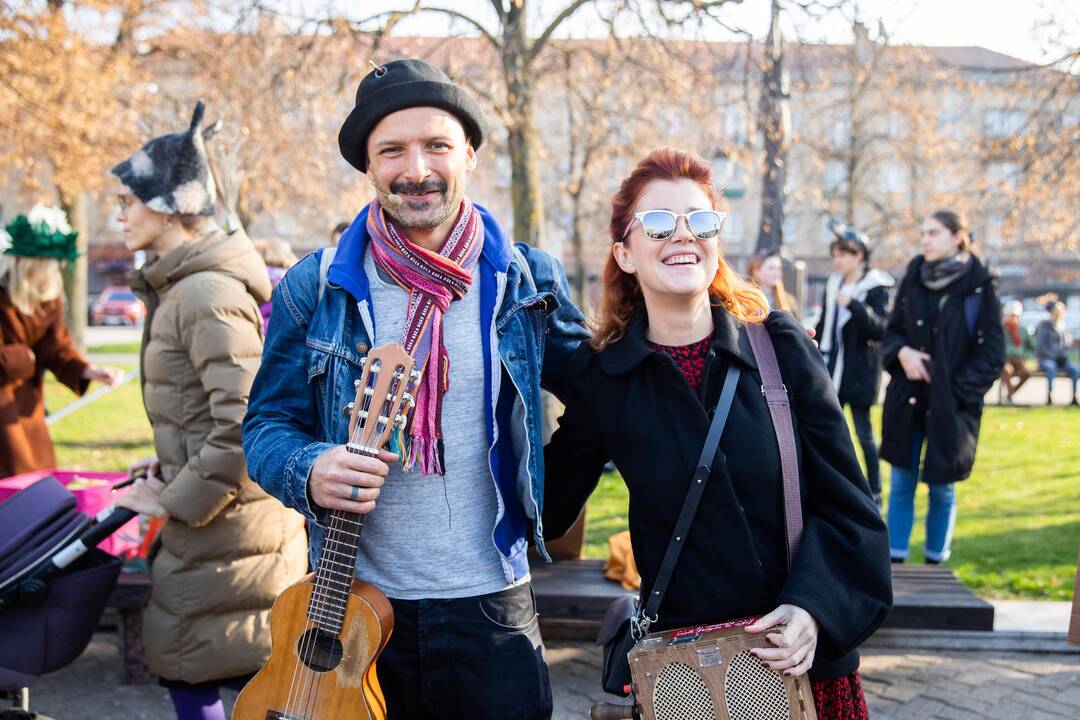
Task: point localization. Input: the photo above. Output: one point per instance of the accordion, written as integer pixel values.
(708, 673)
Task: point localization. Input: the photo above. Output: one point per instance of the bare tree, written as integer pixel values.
(67, 104)
(774, 121)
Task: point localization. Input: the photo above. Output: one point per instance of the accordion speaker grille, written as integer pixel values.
(752, 692)
(681, 694)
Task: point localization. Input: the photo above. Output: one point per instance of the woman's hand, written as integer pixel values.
(796, 641)
(150, 464)
(107, 375)
(914, 364)
(144, 497)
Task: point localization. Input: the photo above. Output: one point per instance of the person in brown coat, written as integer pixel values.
(227, 548)
(34, 338)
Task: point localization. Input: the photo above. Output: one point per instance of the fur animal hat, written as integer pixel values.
(170, 174)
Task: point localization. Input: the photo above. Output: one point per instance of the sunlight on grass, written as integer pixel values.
(109, 434)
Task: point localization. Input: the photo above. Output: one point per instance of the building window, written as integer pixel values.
(733, 229)
(893, 177)
(1004, 174)
(735, 129)
(1003, 123)
(835, 177)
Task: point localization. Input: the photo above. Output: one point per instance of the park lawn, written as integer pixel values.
(108, 434)
(1018, 524)
(131, 348)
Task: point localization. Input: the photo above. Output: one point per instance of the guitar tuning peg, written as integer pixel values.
(407, 398)
(356, 384)
(414, 375)
(347, 410)
(400, 421)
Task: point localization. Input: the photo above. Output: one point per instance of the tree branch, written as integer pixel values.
(541, 40)
(484, 32)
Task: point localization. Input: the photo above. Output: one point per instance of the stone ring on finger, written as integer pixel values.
(354, 493)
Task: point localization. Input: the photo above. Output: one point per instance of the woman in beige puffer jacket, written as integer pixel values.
(227, 548)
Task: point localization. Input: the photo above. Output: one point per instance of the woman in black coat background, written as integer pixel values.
(672, 322)
(943, 348)
(849, 334)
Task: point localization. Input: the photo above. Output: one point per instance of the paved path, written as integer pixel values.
(900, 685)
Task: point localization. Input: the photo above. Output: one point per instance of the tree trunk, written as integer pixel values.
(74, 272)
(772, 110)
(581, 269)
(521, 136)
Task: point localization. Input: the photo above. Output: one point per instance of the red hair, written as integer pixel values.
(622, 294)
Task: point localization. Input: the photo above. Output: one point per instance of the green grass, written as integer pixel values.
(108, 434)
(131, 348)
(1018, 526)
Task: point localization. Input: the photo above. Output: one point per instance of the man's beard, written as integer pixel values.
(426, 214)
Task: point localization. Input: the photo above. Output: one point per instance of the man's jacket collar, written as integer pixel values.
(347, 270)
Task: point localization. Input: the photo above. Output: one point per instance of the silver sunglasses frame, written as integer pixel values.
(640, 218)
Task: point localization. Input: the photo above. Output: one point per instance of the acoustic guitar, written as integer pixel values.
(327, 630)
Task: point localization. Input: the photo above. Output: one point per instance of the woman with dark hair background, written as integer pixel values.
(673, 320)
(944, 347)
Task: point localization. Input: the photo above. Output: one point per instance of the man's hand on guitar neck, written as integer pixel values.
(341, 480)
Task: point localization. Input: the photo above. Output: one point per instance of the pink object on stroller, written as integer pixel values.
(54, 583)
(93, 493)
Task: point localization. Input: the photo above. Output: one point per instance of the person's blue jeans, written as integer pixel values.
(940, 518)
(1052, 368)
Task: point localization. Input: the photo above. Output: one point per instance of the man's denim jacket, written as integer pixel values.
(312, 357)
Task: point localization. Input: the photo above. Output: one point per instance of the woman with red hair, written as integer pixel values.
(672, 320)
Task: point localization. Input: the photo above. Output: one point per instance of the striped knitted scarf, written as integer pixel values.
(433, 280)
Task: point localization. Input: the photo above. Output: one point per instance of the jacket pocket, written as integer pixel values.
(319, 379)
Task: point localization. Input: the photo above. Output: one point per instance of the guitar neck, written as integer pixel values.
(337, 566)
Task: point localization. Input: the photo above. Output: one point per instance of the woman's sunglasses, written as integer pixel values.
(661, 224)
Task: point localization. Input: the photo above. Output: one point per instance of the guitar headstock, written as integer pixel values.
(383, 398)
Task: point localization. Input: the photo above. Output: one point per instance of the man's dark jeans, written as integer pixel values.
(479, 657)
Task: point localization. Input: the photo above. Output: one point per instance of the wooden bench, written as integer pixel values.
(128, 598)
(572, 595)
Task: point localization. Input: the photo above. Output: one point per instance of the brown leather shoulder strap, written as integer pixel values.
(776, 395)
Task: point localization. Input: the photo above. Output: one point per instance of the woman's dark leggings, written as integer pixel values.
(865, 432)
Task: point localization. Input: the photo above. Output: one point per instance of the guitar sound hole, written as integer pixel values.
(319, 650)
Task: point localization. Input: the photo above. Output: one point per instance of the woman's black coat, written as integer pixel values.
(964, 363)
(862, 347)
(631, 404)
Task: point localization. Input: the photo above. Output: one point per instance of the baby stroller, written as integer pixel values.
(54, 584)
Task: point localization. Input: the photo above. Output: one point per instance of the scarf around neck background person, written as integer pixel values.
(849, 333)
(672, 298)
(446, 533)
(944, 347)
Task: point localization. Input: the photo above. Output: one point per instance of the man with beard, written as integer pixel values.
(485, 320)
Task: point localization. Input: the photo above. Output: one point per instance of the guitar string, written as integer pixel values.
(300, 666)
(305, 692)
(386, 409)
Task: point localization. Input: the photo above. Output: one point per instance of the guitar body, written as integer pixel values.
(337, 680)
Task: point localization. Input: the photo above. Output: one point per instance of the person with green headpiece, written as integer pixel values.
(34, 338)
